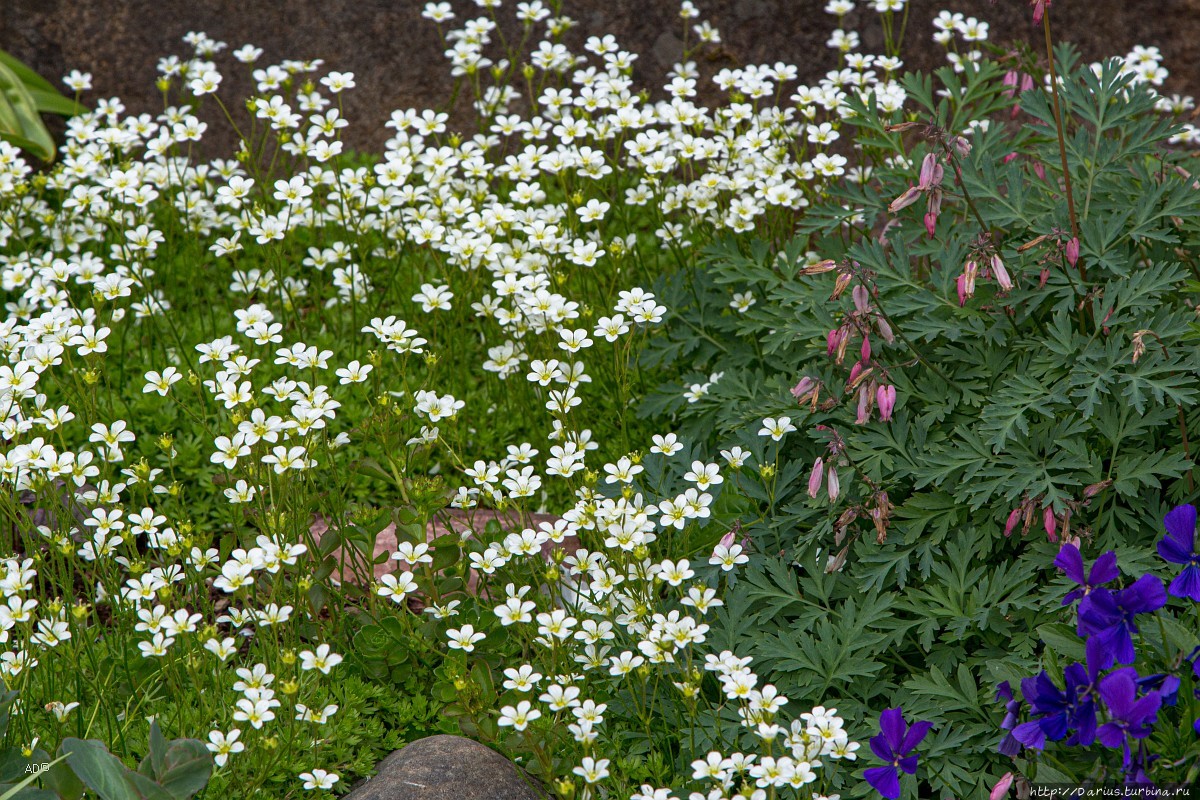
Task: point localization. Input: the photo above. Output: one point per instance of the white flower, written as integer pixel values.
(776, 428)
(319, 778)
(222, 745)
(322, 659)
(518, 717)
(464, 638)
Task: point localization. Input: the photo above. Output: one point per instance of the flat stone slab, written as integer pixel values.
(448, 768)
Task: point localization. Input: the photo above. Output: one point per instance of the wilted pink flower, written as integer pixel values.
(834, 339)
(864, 405)
(1001, 274)
(911, 195)
(885, 398)
(855, 371)
(931, 173)
(815, 477)
(1001, 787)
(1050, 523)
(966, 282)
(832, 484)
(802, 388)
(1071, 250)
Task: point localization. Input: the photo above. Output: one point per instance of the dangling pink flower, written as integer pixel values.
(885, 398)
(1039, 9)
(1014, 517)
(865, 351)
(1050, 523)
(862, 298)
(966, 282)
(727, 539)
(833, 485)
(802, 388)
(815, 477)
(932, 173)
(1001, 274)
(1071, 250)
(1001, 787)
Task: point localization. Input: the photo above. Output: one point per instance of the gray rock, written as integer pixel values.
(448, 768)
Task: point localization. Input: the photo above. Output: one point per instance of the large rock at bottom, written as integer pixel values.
(448, 768)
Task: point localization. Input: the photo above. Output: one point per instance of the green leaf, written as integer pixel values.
(19, 120)
(1062, 640)
(100, 770)
(187, 766)
(30, 78)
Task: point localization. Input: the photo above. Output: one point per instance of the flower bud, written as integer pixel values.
(1014, 517)
(815, 477)
(1001, 787)
(962, 146)
(1071, 250)
(1001, 274)
(727, 539)
(862, 298)
(930, 220)
(864, 352)
(833, 485)
(885, 398)
(1050, 523)
(885, 330)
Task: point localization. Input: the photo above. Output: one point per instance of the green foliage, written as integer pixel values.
(1062, 406)
(24, 97)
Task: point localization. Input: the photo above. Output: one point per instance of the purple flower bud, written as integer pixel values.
(832, 484)
(885, 398)
(1001, 274)
(727, 540)
(815, 477)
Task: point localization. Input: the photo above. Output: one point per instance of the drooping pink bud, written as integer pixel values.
(962, 146)
(911, 195)
(930, 223)
(1014, 517)
(1011, 79)
(1008, 157)
(802, 388)
(862, 298)
(727, 539)
(1050, 523)
(931, 173)
(1039, 169)
(885, 398)
(1039, 9)
(833, 485)
(1071, 250)
(1027, 80)
(816, 477)
(832, 340)
(1001, 787)
(865, 351)
(1001, 274)
(864, 405)
(855, 371)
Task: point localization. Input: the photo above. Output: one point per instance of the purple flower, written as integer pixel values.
(1128, 715)
(1179, 547)
(1109, 615)
(894, 744)
(1058, 711)
(1070, 561)
(1009, 745)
